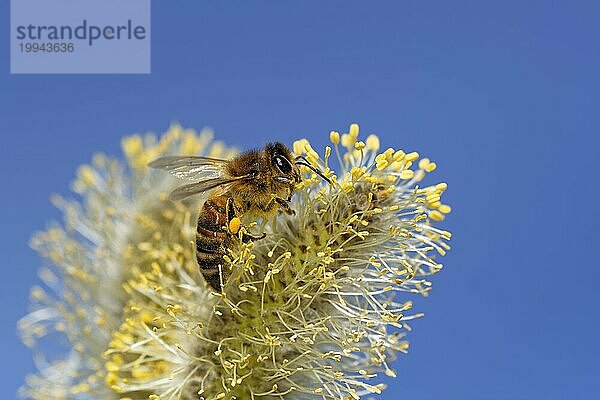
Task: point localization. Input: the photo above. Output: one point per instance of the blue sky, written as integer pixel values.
(504, 96)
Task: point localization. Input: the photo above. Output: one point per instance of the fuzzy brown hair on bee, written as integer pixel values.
(256, 183)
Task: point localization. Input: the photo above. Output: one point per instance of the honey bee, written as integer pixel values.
(255, 183)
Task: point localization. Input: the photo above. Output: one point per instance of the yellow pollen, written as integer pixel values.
(334, 137)
(407, 174)
(299, 146)
(424, 163)
(445, 209)
(382, 165)
(354, 129)
(87, 175)
(399, 155)
(372, 142)
(436, 215)
(132, 145)
(431, 167)
(216, 149)
(311, 155)
(411, 156)
(348, 141)
(190, 144)
(234, 225)
(357, 172)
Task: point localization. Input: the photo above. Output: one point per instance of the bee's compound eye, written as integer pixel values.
(283, 164)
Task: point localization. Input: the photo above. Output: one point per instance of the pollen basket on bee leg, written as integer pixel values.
(234, 225)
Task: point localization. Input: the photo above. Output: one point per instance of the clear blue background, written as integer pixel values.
(503, 95)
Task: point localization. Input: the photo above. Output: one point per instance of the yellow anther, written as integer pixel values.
(435, 204)
(334, 137)
(380, 158)
(431, 167)
(216, 149)
(87, 175)
(348, 141)
(398, 155)
(357, 172)
(359, 145)
(397, 165)
(117, 389)
(372, 143)
(111, 366)
(436, 215)
(407, 174)
(432, 197)
(132, 145)
(299, 146)
(347, 186)
(424, 163)
(354, 131)
(190, 143)
(389, 178)
(382, 165)
(310, 152)
(411, 156)
(389, 153)
(444, 209)
(441, 186)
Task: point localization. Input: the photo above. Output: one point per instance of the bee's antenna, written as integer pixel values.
(300, 160)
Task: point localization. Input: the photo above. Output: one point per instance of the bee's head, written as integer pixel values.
(286, 167)
(283, 164)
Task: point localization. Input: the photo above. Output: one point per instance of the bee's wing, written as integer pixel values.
(204, 186)
(192, 168)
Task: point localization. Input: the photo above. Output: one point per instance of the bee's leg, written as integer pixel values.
(234, 224)
(285, 205)
(246, 237)
(233, 221)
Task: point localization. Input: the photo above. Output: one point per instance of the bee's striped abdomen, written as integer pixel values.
(212, 241)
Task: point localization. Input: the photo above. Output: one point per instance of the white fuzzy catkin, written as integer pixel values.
(315, 310)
